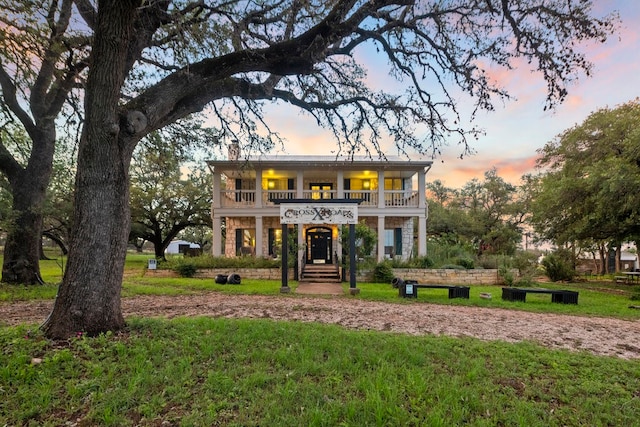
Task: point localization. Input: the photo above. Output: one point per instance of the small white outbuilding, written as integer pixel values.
(180, 247)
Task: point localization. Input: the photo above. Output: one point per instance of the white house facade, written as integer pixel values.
(247, 193)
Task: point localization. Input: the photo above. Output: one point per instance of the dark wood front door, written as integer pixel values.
(319, 246)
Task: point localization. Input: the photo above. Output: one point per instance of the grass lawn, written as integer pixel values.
(203, 371)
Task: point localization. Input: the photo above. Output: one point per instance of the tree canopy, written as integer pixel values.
(164, 199)
(593, 171)
(588, 192)
(153, 63)
(487, 214)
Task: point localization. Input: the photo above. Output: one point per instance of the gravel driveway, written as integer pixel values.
(601, 336)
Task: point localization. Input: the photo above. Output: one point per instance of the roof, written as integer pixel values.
(323, 162)
(627, 256)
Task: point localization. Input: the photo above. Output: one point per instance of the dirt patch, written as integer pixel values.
(601, 336)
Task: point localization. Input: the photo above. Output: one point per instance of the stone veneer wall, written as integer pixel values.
(452, 276)
(210, 273)
(232, 224)
(435, 276)
(446, 276)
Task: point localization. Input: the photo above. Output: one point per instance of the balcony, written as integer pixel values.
(247, 198)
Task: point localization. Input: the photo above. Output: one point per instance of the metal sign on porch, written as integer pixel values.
(318, 213)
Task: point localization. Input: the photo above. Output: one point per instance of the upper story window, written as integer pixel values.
(321, 191)
(393, 184)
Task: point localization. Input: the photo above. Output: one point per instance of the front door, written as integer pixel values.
(319, 245)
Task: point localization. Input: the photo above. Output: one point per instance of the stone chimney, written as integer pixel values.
(234, 150)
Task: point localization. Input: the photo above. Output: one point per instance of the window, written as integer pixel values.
(275, 241)
(393, 242)
(393, 184)
(321, 191)
(245, 241)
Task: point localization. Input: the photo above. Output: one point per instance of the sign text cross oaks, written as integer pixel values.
(318, 213)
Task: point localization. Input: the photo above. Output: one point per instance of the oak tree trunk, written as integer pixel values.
(22, 248)
(88, 300)
(158, 249)
(28, 190)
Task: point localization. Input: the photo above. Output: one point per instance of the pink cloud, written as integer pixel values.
(456, 173)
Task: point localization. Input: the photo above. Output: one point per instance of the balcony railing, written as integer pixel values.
(401, 198)
(247, 198)
(237, 198)
(268, 196)
(369, 198)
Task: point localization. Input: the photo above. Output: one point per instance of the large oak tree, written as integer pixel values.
(42, 61)
(588, 194)
(155, 62)
(487, 214)
(168, 194)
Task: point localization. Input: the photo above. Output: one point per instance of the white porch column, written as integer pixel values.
(422, 235)
(381, 238)
(259, 237)
(422, 189)
(301, 247)
(216, 237)
(340, 179)
(258, 188)
(217, 188)
(381, 204)
(299, 185)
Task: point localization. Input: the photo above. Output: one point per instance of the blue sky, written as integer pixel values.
(521, 126)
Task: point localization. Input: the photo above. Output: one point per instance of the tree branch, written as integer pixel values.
(11, 101)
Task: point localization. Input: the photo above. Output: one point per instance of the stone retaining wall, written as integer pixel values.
(451, 276)
(447, 276)
(210, 273)
(435, 276)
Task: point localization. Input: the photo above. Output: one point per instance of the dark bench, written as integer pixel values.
(559, 296)
(409, 289)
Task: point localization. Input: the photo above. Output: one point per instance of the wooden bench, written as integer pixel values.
(621, 279)
(409, 289)
(558, 296)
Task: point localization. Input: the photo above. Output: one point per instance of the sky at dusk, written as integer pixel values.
(517, 128)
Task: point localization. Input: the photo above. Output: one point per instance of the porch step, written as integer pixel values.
(326, 273)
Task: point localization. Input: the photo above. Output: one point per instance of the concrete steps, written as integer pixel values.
(320, 273)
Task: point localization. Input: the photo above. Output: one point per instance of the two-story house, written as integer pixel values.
(245, 190)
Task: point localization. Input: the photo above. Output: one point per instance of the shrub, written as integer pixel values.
(465, 262)
(207, 261)
(185, 269)
(558, 267)
(525, 281)
(506, 275)
(442, 251)
(383, 272)
(526, 263)
(452, 267)
(422, 262)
